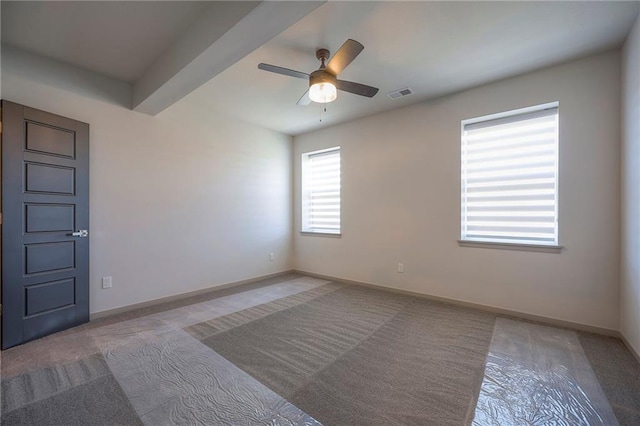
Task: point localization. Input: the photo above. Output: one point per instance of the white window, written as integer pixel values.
(321, 191)
(510, 177)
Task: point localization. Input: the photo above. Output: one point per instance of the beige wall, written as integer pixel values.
(630, 282)
(401, 200)
(189, 200)
(179, 202)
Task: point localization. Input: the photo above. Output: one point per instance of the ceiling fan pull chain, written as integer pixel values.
(324, 111)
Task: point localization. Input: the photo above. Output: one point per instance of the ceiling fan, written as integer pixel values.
(323, 82)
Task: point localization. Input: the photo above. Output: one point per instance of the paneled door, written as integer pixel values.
(45, 222)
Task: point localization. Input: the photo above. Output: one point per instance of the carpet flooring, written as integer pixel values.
(296, 350)
(360, 356)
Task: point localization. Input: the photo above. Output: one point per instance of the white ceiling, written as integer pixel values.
(116, 38)
(433, 47)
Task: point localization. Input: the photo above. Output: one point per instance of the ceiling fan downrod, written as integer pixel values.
(322, 55)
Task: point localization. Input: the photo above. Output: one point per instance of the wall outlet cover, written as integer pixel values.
(106, 282)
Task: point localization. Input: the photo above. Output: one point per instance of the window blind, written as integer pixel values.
(510, 179)
(321, 186)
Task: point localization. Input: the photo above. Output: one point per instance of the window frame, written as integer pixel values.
(305, 203)
(464, 241)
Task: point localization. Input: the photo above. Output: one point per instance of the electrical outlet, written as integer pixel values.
(272, 256)
(106, 282)
(400, 268)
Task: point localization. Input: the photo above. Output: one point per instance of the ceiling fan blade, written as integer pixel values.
(356, 88)
(343, 57)
(305, 99)
(283, 71)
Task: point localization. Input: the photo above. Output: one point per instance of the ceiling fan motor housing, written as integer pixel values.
(321, 76)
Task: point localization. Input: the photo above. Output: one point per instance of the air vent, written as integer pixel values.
(400, 93)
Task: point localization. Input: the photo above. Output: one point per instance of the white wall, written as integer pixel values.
(630, 280)
(179, 202)
(401, 200)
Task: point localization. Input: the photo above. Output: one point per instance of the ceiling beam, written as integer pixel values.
(226, 33)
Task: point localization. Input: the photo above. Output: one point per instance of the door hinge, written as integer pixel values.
(0, 218)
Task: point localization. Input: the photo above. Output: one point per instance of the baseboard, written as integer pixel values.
(494, 310)
(631, 348)
(141, 305)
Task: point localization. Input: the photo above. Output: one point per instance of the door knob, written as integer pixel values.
(80, 233)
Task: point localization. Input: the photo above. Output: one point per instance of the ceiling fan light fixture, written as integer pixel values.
(323, 93)
(322, 87)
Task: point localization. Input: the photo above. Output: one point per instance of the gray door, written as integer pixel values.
(45, 216)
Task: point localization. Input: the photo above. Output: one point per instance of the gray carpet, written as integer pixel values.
(292, 350)
(618, 372)
(90, 395)
(217, 325)
(360, 356)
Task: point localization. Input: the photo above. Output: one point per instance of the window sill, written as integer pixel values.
(510, 246)
(321, 234)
